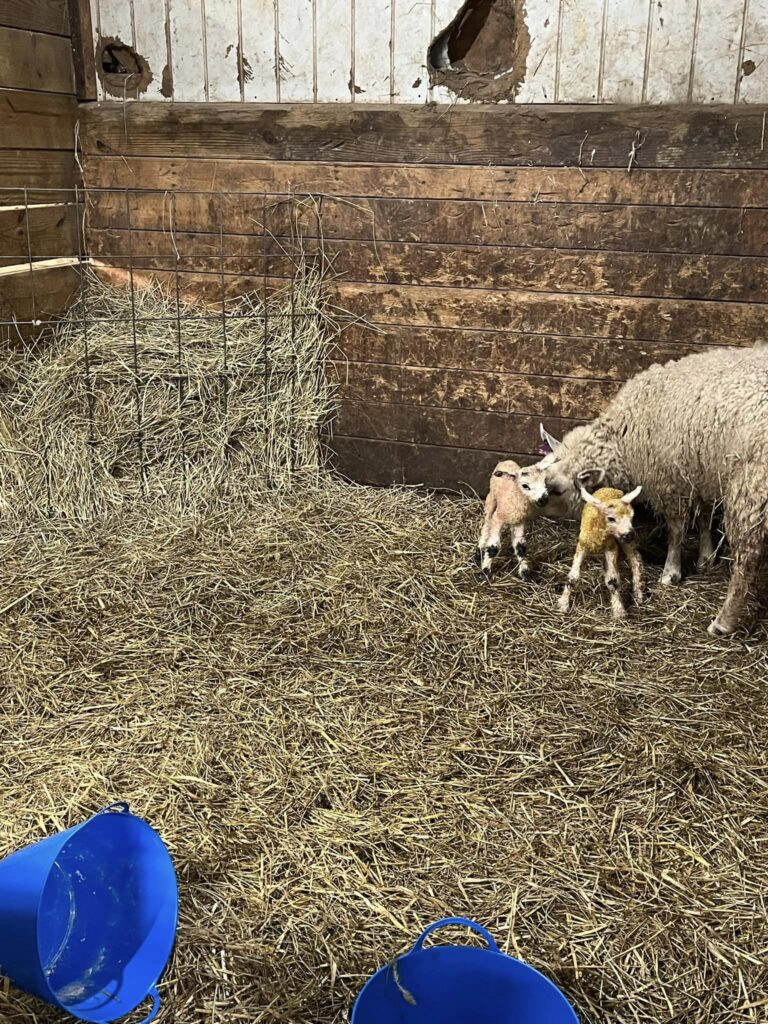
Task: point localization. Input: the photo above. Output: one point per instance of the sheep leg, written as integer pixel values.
(489, 544)
(518, 546)
(748, 556)
(673, 572)
(564, 602)
(707, 552)
(613, 582)
(638, 572)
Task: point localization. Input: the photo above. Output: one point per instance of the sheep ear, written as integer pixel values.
(547, 438)
(589, 498)
(629, 498)
(591, 478)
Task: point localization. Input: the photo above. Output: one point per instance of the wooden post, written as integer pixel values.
(83, 56)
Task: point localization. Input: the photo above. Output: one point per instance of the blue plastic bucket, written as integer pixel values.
(460, 985)
(88, 916)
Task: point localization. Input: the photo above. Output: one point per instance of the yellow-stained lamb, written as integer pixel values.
(606, 527)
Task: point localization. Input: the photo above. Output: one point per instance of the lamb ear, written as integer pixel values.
(591, 477)
(547, 438)
(590, 498)
(629, 498)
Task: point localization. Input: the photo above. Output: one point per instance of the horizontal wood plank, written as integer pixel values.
(387, 463)
(452, 427)
(507, 135)
(36, 120)
(645, 186)
(33, 170)
(520, 312)
(558, 226)
(541, 354)
(35, 60)
(566, 315)
(38, 232)
(36, 15)
(566, 397)
(561, 270)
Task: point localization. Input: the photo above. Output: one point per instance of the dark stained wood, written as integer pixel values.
(550, 225)
(566, 397)
(35, 60)
(36, 120)
(507, 135)
(83, 56)
(482, 266)
(540, 354)
(384, 463)
(675, 320)
(48, 231)
(36, 15)
(452, 427)
(35, 169)
(645, 186)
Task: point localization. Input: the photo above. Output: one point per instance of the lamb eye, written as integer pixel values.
(526, 487)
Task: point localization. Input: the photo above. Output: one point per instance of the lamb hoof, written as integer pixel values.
(563, 604)
(670, 579)
(617, 616)
(525, 575)
(705, 565)
(640, 597)
(477, 557)
(716, 628)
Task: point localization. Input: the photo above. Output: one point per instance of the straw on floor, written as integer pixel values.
(343, 735)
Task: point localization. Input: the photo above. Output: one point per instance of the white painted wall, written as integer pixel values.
(374, 51)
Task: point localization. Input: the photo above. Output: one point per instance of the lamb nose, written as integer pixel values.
(629, 537)
(542, 500)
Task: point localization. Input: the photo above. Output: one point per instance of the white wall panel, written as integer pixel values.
(189, 70)
(543, 18)
(626, 39)
(375, 51)
(671, 51)
(259, 52)
(334, 50)
(753, 88)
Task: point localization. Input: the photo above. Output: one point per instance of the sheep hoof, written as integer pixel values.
(715, 628)
(670, 579)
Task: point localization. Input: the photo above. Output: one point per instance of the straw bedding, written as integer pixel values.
(342, 735)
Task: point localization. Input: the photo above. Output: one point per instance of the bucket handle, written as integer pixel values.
(155, 1006)
(118, 805)
(460, 921)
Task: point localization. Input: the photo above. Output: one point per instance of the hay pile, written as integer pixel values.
(342, 736)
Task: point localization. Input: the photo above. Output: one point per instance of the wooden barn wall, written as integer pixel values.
(376, 51)
(38, 111)
(517, 263)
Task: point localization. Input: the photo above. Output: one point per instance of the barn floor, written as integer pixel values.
(343, 736)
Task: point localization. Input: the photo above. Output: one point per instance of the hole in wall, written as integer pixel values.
(482, 53)
(123, 72)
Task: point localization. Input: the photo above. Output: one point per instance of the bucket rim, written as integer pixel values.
(418, 951)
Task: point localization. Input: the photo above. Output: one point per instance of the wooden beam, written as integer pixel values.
(36, 169)
(34, 60)
(38, 232)
(645, 186)
(36, 120)
(507, 135)
(83, 55)
(36, 15)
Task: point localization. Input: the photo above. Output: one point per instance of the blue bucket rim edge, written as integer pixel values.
(491, 947)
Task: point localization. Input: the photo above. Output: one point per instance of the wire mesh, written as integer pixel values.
(205, 248)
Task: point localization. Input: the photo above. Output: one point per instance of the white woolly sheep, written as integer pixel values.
(515, 496)
(606, 527)
(694, 431)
